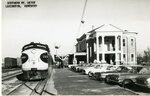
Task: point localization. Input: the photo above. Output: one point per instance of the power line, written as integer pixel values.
(82, 17)
(81, 21)
(83, 11)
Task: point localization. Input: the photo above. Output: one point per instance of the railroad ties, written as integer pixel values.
(30, 88)
(41, 87)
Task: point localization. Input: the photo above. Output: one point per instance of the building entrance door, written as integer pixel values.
(110, 58)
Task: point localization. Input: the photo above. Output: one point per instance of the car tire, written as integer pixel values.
(127, 82)
(97, 77)
(89, 74)
(107, 79)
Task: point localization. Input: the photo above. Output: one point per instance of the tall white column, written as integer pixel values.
(74, 59)
(87, 52)
(103, 50)
(121, 49)
(97, 47)
(135, 56)
(116, 51)
(127, 51)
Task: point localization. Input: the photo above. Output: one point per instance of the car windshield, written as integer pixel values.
(92, 65)
(109, 67)
(144, 70)
(133, 70)
(98, 66)
(89, 65)
(122, 69)
(136, 69)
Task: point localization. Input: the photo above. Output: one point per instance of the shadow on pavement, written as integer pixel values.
(137, 88)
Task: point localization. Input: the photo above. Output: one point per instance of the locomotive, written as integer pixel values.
(36, 61)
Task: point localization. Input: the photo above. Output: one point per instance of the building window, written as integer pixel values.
(132, 42)
(132, 57)
(124, 42)
(124, 57)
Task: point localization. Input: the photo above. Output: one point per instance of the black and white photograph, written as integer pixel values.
(75, 47)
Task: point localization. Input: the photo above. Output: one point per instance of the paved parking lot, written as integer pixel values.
(68, 82)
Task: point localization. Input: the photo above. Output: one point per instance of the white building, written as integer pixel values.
(109, 44)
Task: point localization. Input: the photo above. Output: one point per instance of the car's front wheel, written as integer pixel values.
(89, 74)
(127, 83)
(107, 79)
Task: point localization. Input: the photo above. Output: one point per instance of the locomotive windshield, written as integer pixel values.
(36, 45)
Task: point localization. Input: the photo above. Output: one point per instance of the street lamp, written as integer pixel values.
(56, 47)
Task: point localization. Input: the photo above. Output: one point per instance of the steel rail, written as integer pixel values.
(10, 76)
(15, 88)
(39, 88)
(10, 72)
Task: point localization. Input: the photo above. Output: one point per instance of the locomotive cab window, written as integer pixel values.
(24, 57)
(44, 57)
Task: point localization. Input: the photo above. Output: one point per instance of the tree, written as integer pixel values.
(145, 59)
(139, 59)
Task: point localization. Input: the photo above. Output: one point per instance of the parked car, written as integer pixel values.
(78, 65)
(143, 80)
(88, 69)
(103, 68)
(71, 65)
(119, 69)
(127, 78)
(80, 68)
(77, 68)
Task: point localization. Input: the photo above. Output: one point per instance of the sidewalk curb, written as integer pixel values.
(50, 85)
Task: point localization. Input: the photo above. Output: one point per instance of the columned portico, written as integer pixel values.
(106, 46)
(112, 46)
(98, 49)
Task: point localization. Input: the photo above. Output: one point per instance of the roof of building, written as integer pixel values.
(82, 37)
(107, 27)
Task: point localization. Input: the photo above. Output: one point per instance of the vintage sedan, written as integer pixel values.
(103, 68)
(70, 66)
(88, 69)
(79, 68)
(127, 78)
(143, 80)
(118, 69)
(76, 66)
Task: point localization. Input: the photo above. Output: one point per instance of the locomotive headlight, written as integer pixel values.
(24, 57)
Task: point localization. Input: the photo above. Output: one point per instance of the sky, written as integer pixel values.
(56, 22)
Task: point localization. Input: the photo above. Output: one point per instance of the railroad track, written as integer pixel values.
(33, 87)
(11, 75)
(30, 88)
(10, 70)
